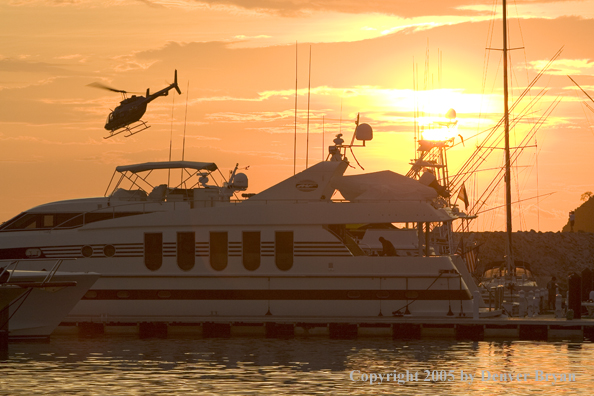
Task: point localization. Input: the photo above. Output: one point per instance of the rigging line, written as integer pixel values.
(323, 136)
(487, 56)
(340, 122)
(170, 139)
(494, 182)
(497, 179)
(581, 88)
(526, 199)
(414, 110)
(523, 42)
(492, 169)
(537, 189)
(185, 123)
(471, 160)
(584, 111)
(473, 164)
(536, 127)
(515, 156)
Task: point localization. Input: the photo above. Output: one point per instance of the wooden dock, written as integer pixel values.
(540, 328)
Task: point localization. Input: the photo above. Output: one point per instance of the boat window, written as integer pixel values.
(87, 251)
(68, 220)
(186, 250)
(109, 250)
(22, 222)
(153, 250)
(35, 221)
(283, 250)
(48, 221)
(523, 271)
(251, 250)
(219, 251)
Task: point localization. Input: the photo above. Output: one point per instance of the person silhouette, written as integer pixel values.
(552, 288)
(387, 248)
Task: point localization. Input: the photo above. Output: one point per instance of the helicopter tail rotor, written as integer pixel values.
(175, 83)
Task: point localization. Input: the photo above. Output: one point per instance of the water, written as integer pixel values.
(255, 366)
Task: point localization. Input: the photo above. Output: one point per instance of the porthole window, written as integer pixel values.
(109, 250)
(164, 294)
(283, 250)
(186, 250)
(87, 251)
(123, 294)
(251, 250)
(219, 252)
(153, 250)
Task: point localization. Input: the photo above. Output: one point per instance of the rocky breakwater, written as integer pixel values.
(549, 253)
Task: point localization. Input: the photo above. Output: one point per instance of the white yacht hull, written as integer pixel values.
(41, 309)
(317, 287)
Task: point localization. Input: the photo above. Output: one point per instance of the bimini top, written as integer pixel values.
(210, 166)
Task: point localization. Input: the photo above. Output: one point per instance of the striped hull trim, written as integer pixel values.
(277, 295)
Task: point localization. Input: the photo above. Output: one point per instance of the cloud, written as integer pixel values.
(244, 37)
(563, 67)
(19, 65)
(402, 8)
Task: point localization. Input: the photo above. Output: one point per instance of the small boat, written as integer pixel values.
(495, 274)
(34, 303)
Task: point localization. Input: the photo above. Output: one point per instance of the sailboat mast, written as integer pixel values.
(508, 201)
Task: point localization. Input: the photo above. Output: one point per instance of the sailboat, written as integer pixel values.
(514, 275)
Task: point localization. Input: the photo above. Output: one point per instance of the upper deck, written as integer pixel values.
(305, 198)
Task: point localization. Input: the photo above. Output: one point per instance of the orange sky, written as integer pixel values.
(238, 57)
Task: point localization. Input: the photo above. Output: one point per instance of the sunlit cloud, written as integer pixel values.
(562, 67)
(244, 37)
(251, 117)
(417, 27)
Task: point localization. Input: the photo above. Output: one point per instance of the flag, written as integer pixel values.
(463, 196)
(470, 258)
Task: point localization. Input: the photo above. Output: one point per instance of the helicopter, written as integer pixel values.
(126, 116)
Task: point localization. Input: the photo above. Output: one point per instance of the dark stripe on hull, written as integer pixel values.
(277, 295)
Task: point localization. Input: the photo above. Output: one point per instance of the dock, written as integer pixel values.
(539, 328)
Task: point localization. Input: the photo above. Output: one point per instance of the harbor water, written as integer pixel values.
(124, 365)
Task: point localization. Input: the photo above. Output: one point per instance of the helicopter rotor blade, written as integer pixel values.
(108, 88)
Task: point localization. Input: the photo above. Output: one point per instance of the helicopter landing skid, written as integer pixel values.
(131, 130)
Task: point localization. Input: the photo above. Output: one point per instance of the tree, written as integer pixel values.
(586, 196)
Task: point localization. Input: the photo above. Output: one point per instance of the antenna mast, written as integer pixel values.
(295, 138)
(308, 96)
(508, 210)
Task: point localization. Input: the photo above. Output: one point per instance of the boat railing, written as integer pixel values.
(144, 207)
(48, 278)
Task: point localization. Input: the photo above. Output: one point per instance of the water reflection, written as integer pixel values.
(245, 366)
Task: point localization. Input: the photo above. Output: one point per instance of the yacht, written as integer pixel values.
(34, 303)
(202, 250)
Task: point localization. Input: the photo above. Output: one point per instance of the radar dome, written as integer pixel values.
(364, 132)
(240, 181)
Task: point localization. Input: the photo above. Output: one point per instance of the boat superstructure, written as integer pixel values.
(183, 253)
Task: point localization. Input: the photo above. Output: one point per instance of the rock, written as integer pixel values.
(548, 253)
